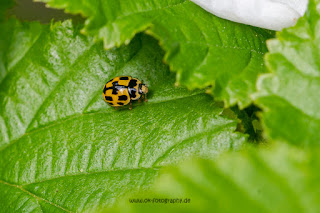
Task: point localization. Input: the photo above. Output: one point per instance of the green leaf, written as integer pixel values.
(289, 95)
(277, 179)
(4, 5)
(202, 48)
(63, 149)
(15, 41)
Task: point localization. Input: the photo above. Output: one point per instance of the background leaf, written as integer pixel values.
(4, 5)
(63, 149)
(277, 179)
(203, 49)
(289, 95)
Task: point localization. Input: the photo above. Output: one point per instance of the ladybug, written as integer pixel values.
(122, 90)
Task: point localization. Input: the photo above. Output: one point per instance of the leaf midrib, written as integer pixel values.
(60, 122)
(152, 167)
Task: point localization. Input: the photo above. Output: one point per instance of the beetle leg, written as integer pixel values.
(130, 107)
(145, 98)
(139, 100)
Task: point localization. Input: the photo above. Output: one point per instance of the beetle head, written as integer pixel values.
(144, 89)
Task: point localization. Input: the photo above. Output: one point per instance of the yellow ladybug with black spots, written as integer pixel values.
(122, 90)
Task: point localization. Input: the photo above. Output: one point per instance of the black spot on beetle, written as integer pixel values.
(132, 83)
(108, 98)
(104, 89)
(110, 103)
(124, 78)
(123, 98)
(121, 104)
(132, 92)
(114, 91)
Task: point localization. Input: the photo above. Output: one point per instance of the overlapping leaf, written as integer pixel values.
(63, 149)
(203, 49)
(4, 5)
(289, 95)
(277, 179)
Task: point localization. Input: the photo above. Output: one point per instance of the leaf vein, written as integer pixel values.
(184, 140)
(9, 71)
(63, 79)
(91, 173)
(35, 196)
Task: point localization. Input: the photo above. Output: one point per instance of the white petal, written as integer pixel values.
(269, 14)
